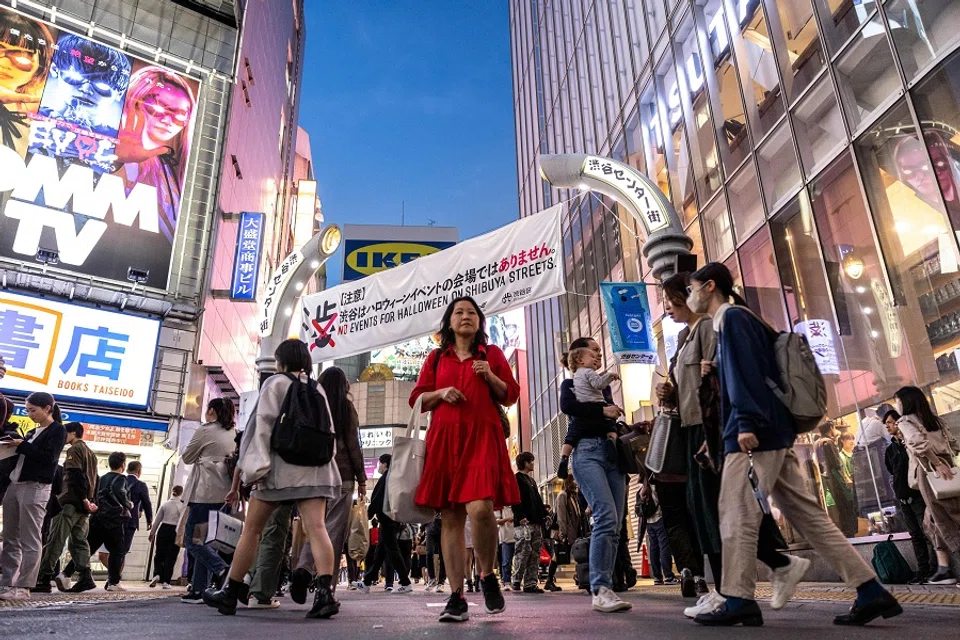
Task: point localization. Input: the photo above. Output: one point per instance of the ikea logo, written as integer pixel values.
(366, 258)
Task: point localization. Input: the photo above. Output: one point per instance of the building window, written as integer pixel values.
(922, 30)
(717, 230)
(818, 126)
(236, 167)
(745, 203)
(804, 52)
(866, 74)
(777, 160)
(246, 93)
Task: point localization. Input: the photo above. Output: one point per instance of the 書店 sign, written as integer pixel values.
(246, 260)
(94, 148)
(77, 353)
(511, 267)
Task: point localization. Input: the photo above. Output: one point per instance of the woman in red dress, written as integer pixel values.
(467, 470)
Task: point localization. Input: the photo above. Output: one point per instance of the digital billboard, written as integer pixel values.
(370, 249)
(75, 352)
(94, 145)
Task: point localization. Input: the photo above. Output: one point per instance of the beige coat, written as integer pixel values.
(701, 344)
(210, 479)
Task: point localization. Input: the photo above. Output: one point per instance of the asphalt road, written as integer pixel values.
(397, 617)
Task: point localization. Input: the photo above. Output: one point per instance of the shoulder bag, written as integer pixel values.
(406, 469)
(942, 487)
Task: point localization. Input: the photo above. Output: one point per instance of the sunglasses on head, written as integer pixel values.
(22, 60)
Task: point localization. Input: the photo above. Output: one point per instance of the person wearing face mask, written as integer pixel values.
(758, 437)
(933, 447)
(912, 507)
(692, 390)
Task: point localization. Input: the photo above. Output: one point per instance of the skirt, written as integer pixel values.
(703, 495)
(465, 462)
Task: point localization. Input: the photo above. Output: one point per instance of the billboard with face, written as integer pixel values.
(94, 145)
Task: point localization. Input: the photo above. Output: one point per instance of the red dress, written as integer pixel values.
(467, 456)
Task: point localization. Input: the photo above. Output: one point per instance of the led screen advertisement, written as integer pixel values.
(94, 145)
(75, 352)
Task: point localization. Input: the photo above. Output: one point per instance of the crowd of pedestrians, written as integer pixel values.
(296, 474)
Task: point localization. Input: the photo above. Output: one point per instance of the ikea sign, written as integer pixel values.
(363, 258)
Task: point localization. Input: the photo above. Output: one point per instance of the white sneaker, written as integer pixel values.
(166, 585)
(785, 580)
(14, 593)
(63, 582)
(707, 603)
(154, 582)
(113, 587)
(403, 589)
(606, 601)
(362, 587)
(431, 586)
(439, 588)
(260, 604)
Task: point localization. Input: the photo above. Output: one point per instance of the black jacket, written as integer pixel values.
(897, 461)
(531, 504)
(42, 453)
(140, 497)
(375, 508)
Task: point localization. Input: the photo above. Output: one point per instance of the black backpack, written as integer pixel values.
(110, 512)
(303, 434)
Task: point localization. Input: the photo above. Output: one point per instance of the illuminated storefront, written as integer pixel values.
(813, 146)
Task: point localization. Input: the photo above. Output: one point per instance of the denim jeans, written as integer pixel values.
(206, 560)
(506, 561)
(661, 560)
(605, 488)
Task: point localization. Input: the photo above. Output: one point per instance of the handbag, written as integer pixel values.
(666, 451)
(358, 541)
(223, 531)
(562, 550)
(632, 447)
(406, 469)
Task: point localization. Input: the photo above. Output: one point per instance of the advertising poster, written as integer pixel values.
(628, 317)
(94, 145)
(76, 353)
(506, 269)
(370, 249)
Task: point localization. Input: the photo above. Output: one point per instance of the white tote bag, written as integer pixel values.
(406, 468)
(223, 531)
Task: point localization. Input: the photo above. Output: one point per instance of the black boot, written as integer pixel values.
(299, 581)
(43, 585)
(324, 604)
(85, 583)
(224, 600)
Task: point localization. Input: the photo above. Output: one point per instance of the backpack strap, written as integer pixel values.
(721, 312)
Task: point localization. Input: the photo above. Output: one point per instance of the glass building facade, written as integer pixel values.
(813, 146)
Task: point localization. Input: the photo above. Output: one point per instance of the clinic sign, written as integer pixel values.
(371, 249)
(94, 147)
(76, 353)
(246, 260)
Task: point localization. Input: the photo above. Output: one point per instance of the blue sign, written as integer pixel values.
(69, 415)
(362, 258)
(628, 317)
(246, 261)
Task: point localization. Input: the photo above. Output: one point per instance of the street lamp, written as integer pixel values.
(666, 240)
(280, 296)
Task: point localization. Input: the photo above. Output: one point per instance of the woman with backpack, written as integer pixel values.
(205, 491)
(467, 470)
(758, 436)
(25, 501)
(349, 459)
(292, 409)
(931, 448)
(693, 390)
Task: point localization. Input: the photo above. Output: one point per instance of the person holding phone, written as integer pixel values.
(25, 503)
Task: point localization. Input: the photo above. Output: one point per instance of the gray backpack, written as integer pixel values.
(801, 387)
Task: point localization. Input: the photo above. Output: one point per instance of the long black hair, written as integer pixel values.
(335, 385)
(447, 336)
(721, 278)
(226, 412)
(914, 402)
(44, 399)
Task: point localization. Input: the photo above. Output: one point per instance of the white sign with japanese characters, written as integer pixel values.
(77, 353)
(380, 438)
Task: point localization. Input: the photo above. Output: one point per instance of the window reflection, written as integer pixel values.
(745, 203)
(922, 29)
(653, 144)
(818, 126)
(799, 28)
(717, 232)
(761, 286)
(866, 74)
(777, 161)
(758, 66)
(841, 18)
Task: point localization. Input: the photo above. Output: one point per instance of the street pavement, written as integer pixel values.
(657, 613)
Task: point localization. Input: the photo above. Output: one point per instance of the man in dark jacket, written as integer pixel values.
(389, 531)
(140, 497)
(912, 506)
(528, 519)
(70, 525)
(107, 527)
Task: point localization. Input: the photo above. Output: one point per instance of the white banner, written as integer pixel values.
(506, 269)
(77, 353)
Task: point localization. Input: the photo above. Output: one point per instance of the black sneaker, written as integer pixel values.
(749, 615)
(534, 589)
(688, 586)
(702, 588)
(493, 601)
(456, 609)
(85, 583)
(191, 598)
(43, 585)
(299, 582)
(325, 605)
(942, 577)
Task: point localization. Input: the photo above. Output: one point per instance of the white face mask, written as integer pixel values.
(899, 406)
(695, 302)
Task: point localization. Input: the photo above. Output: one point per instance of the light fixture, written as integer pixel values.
(330, 241)
(288, 311)
(47, 256)
(315, 264)
(138, 275)
(853, 266)
(867, 311)
(902, 226)
(861, 289)
(874, 334)
(299, 286)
